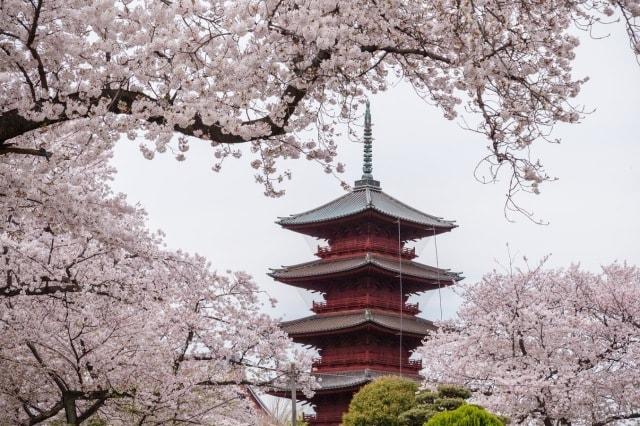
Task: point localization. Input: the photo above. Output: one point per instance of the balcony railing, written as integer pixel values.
(357, 245)
(334, 417)
(367, 358)
(309, 417)
(368, 301)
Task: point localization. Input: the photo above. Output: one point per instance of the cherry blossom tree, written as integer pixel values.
(97, 318)
(548, 347)
(265, 72)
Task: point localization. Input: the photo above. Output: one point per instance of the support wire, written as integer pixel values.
(401, 293)
(435, 244)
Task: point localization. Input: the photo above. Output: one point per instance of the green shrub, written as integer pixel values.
(416, 416)
(427, 397)
(381, 402)
(429, 403)
(466, 415)
(447, 404)
(453, 391)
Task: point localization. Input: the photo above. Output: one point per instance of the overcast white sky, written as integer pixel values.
(427, 162)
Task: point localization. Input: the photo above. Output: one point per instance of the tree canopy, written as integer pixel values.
(98, 318)
(556, 347)
(265, 73)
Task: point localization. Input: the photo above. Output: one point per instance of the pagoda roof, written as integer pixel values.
(343, 380)
(367, 198)
(331, 266)
(347, 379)
(322, 324)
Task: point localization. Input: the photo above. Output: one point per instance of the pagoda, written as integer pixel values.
(365, 326)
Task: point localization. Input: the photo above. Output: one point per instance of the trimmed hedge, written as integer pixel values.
(466, 415)
(381, 402)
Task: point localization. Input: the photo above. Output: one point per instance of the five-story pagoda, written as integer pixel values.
(364, 327)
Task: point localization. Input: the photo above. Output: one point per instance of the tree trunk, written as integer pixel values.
(70, 409)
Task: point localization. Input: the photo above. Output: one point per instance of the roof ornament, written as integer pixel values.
(367, 165)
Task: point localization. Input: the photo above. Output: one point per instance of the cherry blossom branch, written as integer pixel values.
(10, 149)
(617, 418)
(407, 51)
(122, 101)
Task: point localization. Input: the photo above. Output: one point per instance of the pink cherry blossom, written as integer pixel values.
(98, 319)
(548, 347)
(265, 72)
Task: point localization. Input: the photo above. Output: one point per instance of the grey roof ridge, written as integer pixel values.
(368, 315)
(437, 218)
(282, 219)
(317, 261)
(354, 313)
(368, 373)
(367, 206)
(369, 259)
(406, 262)
(364, 372)
(297, 265)
(349, 378)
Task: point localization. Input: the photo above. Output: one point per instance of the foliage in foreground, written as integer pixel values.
(549, 347)
(428, 403)
(396, 401)
(465, 415)
(381, 402)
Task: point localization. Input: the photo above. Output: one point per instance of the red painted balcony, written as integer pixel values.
(355, 245)
(309, 418)
(367, 358)
(333, 417)
(361, 302)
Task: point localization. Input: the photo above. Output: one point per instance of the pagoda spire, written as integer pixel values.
(367, 165)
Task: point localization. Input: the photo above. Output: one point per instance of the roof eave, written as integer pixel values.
(443, 226)
(293, 279)
(354, 327)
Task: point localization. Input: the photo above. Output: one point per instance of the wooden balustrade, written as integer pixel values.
(333, 417)
(367, 301)
(356, 245)
(309, 417)
(366, 358)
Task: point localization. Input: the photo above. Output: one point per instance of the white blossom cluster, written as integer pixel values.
(97, 319)
(547, 347)
(284, 75)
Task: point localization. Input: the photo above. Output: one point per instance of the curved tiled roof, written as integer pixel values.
(333, 322)
(338, 380)
(337, 265)
(361, 199)
(347, 379)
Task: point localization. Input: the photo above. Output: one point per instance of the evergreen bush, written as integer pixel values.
(381, 402)
(466, 415)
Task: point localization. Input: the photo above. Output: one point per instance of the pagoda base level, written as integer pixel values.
(311, 420)
(330, 408)
(332, 400)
